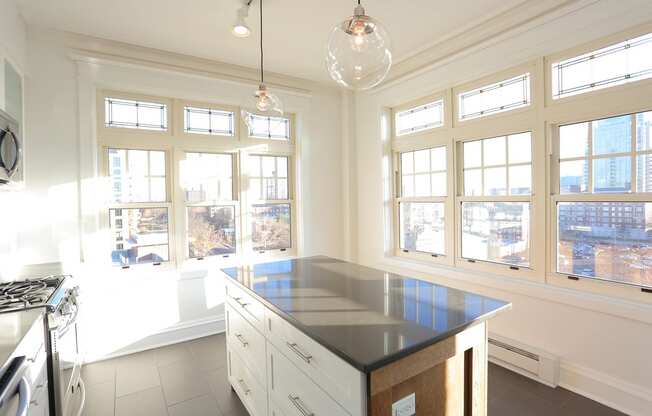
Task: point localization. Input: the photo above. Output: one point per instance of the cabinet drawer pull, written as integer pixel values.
(296, 401)
(242, 340)
(305, 357)
(238, 300)
(244, 387)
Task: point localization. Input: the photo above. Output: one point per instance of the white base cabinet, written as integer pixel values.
(277, 370)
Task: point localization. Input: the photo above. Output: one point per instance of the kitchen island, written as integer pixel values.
(319, 336)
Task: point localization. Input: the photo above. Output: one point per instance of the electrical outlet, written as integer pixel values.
(407, 406)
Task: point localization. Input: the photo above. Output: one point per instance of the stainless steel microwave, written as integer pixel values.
(11, 151)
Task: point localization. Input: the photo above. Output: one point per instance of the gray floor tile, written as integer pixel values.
(146, 403)
(136, 376)
(100, 399)
(182, 381)
(190, 378)
(199, 406)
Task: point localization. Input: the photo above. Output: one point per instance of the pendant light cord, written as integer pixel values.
(262, 73)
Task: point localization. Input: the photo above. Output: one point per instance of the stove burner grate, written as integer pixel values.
(27, 293)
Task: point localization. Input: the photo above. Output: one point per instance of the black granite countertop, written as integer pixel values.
(367, 317)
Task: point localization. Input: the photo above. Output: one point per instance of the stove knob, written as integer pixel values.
(66, 309)
(75, 290)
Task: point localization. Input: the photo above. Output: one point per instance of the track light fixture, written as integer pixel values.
(240, 28)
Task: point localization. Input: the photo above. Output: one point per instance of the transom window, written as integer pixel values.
(616, 64)
(131, 114)
(208, 121)
(495, 98)
(263, 127)
(420, 118)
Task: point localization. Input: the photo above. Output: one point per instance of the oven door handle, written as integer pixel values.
(25, 396)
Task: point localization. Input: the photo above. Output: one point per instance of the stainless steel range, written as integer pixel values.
(59, 296)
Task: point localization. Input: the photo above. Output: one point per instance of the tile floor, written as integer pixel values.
(189, 379)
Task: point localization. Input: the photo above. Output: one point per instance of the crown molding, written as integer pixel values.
(89, 49)
(508, 24)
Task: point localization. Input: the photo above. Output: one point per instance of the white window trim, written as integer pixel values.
(176, 142)
(600, 285)
(540, 118)
(529, 271)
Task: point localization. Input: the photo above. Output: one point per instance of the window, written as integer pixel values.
(137, 175)
(135, 114)
(495, 98)
(275, 128)
(616, 64)
(140, 234)
(498, 166)
(146, 231)
(271, 227)
(208, 177)
(268, 177)
(210, 206)
(420, 118)
(208, 121)
(421, 201)
(495, 206)
(211, 231)
(602, 224)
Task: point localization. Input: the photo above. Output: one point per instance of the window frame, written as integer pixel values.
(569, 280)
(176, 143)
(181, 128)
(529, 271)
(441, 258)
(247, 215)
(244, 129)
(531, 69)
(595, 94)
(167, 204)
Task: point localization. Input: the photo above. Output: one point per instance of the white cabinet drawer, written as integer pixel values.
(251, 392)
(340, 380)
(244, 339)
(274, 409)
(247, 305)
(294, 393)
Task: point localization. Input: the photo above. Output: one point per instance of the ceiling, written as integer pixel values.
(295, 31)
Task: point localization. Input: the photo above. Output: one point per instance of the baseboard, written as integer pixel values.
(616, 393)
(186, 331)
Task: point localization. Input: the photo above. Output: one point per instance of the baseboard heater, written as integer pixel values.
(525, 360)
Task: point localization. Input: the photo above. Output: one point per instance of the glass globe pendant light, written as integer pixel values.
(358, 54)
(263, 101)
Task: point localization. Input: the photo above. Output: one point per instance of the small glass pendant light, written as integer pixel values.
(358, 54)
(263, 101)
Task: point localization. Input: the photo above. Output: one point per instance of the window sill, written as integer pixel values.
(526, 287)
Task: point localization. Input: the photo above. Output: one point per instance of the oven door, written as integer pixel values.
(67, 367)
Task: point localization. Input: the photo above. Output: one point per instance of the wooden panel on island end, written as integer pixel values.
(449, 378)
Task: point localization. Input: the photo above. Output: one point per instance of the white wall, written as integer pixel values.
(604, 354)
(136, 310)
(13, 39)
